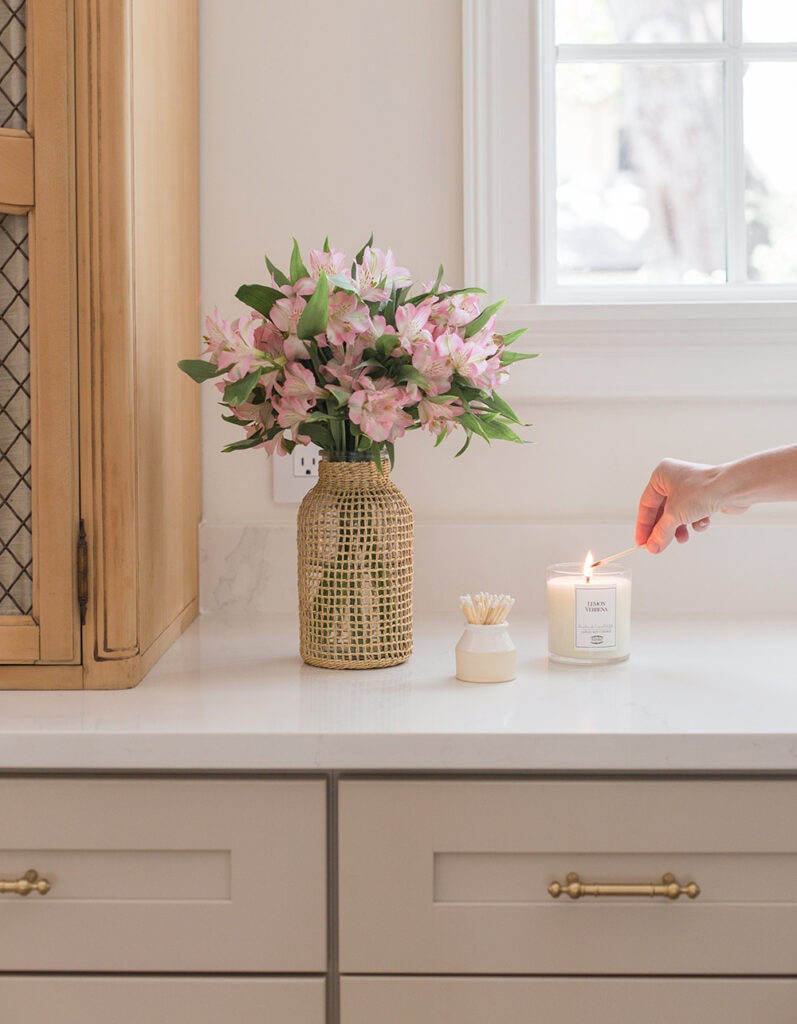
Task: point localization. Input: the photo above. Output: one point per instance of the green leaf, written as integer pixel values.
(390, 448)
(466, 445)
(319, 433)
(385, 344)
(259, 297)
(248, 442)
(508, 357)
(199, 370)
(376, 455)
(343, 283)
(359, 257)
(474, 424)
(298, 269)
(482, 318)
(236, 421)
(508, 339)
(462, 291)
(326, 244)
(402, 293)
(497, 404)
(276, 273)
(497, 430)
(409, 373)
(437, 280)
(390, 305)
(314, 317)
(238, 392)
(341, 395)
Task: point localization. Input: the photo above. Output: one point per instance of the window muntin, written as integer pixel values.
(666, 166)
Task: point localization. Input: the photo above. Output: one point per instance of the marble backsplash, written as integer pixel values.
(732, 568)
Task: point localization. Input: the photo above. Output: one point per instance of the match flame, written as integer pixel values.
(588, 566)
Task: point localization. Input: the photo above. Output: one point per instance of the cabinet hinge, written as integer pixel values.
(82, 572)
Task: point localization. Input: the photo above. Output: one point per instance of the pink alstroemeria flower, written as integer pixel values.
(348, 317)
(437, 417)
(232, 346)
(377, 327)
(456, 310)
(411, 325)
(346, 366)
(468, 356)
(433, 363)
(299, 383)
(259, 417)
(379, 410)
(269, 340)
(377, 274)
(285, 315)
(292, 412)
(333, 262)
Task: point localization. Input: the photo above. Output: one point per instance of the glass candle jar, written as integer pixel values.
(589, 617)
(486, 654)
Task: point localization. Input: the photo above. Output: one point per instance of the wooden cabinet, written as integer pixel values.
(453, 877)
(99, 298)
(188, 901)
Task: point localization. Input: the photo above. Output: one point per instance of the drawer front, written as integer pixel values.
(162, 1000)
(442, 877)
(566, 1001)
(165, 875)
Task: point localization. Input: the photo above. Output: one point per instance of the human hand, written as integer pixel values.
(678, 495)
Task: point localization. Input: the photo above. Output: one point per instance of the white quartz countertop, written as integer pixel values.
(703, 695)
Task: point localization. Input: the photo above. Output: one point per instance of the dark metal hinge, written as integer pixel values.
(82, 572)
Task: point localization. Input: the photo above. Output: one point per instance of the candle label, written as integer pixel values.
(596, 617)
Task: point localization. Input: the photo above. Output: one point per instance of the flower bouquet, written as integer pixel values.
(347, 357)
(350, 356)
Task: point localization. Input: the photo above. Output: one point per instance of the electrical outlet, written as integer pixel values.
(294, 474)
(305, 460)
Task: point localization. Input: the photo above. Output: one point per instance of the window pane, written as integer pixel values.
(639, 21)
(771, 173)
(640, 183)
(769, 21)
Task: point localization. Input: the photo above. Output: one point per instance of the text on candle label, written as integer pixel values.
(596, 617)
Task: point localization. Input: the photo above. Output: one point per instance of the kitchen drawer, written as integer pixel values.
(165, 875)
(440, 877)
(567, 1001)
(108, 1000)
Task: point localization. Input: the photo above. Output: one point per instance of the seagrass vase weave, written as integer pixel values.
(355, 556)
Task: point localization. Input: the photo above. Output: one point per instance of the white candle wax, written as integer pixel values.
(589, 617)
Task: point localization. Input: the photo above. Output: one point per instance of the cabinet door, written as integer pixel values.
(190, 1000)
(461, 876)
(164, 875)
(567, 1000)
(39, 620)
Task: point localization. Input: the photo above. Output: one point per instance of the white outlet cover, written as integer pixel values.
(289, 483)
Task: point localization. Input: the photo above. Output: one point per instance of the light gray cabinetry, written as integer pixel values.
(450, 878)
(198, 879)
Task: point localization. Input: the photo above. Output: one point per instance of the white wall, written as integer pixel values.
(341, 119)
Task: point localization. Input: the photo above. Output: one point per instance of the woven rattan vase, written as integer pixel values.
(355, 568)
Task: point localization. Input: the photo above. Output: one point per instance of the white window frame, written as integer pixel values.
(725, 347)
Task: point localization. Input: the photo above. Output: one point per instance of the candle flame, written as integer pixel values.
(588, 566)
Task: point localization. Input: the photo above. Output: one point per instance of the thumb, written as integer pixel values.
(662, 534)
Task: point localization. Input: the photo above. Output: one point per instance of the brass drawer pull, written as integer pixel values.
(575, 889)
(22, 886)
